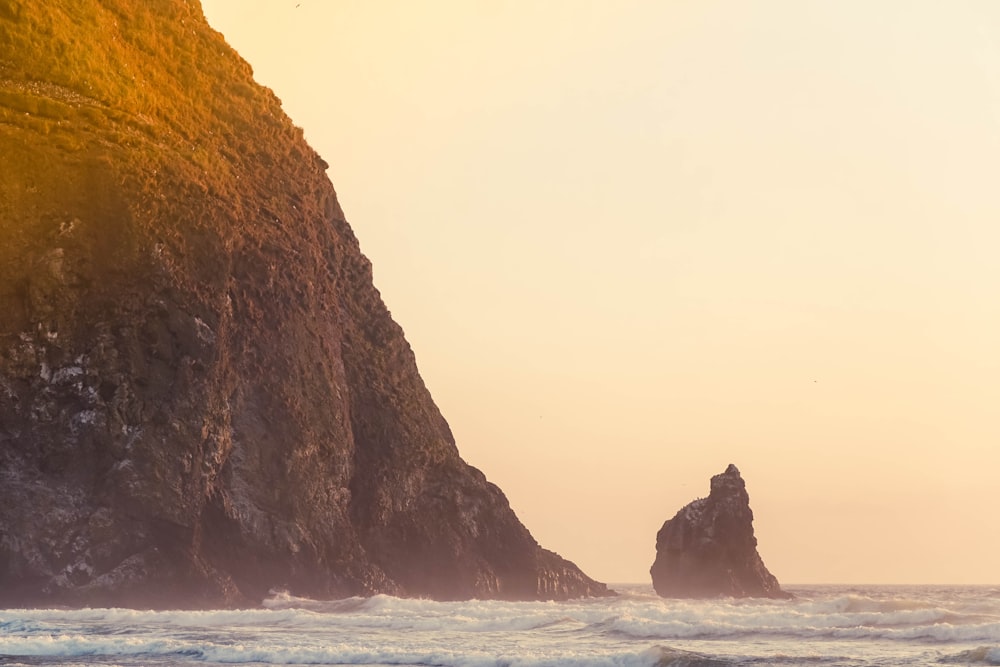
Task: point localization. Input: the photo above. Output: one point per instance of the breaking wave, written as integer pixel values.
(844, 617)
(637, 629)
(981, 655)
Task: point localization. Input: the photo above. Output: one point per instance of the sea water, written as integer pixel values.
(823, 625)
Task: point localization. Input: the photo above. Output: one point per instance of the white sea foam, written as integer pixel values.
(306, 650)
(851, 617)
(831, 626)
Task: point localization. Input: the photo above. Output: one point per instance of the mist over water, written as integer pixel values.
(829, 625)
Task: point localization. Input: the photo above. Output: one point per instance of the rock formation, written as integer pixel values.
(708, 549)
(202, 395)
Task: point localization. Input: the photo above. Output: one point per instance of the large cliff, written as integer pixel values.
(202, 395)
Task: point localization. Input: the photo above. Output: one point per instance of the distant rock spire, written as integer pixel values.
(708, 549)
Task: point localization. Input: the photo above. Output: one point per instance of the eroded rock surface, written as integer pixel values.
(708, 549)
(202, 394)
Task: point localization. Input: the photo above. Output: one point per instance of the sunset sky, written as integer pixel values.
(633, 241)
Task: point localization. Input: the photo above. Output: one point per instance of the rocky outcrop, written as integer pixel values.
(708, 549)
(202, 394)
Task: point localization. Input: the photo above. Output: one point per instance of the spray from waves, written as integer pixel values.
(409, 614)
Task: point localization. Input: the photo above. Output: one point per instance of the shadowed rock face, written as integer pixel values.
(708, 549)
(202, 395)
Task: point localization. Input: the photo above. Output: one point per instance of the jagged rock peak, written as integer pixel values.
(708, 548)
(202, 394)
(728, 482)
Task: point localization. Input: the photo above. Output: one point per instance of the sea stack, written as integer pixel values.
(708, 549)
(202, 395)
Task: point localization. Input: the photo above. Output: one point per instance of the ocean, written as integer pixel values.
(823, 626)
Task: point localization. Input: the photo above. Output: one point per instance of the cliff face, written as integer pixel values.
(708, 549)
(202, 395)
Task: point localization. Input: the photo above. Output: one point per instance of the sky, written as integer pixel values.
(634, 241)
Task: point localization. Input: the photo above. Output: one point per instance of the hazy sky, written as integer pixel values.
(633, 241)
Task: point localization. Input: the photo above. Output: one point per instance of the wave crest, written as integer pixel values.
(982, 655)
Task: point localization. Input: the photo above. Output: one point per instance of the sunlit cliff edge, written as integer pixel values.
(202, 395)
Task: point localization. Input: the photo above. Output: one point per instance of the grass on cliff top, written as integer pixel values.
(148, 94)
(154, 67)
(103, 50)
